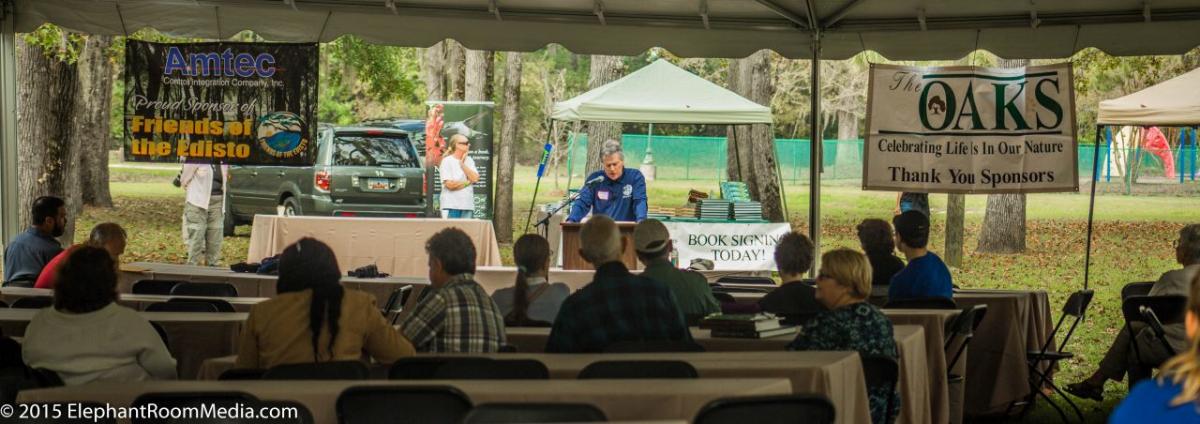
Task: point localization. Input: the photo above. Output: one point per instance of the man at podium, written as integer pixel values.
(616, 191)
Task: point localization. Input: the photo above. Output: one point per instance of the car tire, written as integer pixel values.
(291, 207)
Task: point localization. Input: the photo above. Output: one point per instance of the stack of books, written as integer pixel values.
(747, 211)
(735, 191)
(746, 326)
(696, 195)
(659, 213)
(713, 209)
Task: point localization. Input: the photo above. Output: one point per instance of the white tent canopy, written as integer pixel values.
(1174, 102)
(662, 93)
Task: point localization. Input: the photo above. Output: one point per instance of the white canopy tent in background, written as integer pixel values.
(1174, 102)
(810, 29)
(662, 93)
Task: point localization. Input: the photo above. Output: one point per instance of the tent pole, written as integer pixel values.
(779, 176)
(1087, 261)
(814, 167)
(9, 201)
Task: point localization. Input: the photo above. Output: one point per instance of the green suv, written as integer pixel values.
(359, 171)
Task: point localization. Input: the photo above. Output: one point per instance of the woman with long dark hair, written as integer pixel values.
(532, 301)
(314, 319)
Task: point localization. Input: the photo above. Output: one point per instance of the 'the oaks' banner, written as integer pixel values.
(971, 130)
(236, 103)
(731, 247)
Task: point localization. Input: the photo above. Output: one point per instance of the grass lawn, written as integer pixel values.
(1132, 242)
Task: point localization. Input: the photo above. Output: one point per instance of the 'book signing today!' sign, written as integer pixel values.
(971, 130)
(238, 103)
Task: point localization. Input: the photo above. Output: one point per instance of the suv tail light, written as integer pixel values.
(424, 183)
(323, 179)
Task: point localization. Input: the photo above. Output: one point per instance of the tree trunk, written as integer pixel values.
(604, 69)
(455, 71)
(755, 144)
(478, 78)
(490, 86)
(509, 131)
(48, 160)
(94, 102)
(1004, 221)
(956, 212)
(738, 148)
(433, 71)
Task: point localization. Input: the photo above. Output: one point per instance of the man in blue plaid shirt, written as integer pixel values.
(617, 306)
(458, 315)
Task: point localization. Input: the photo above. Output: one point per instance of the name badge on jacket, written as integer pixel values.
(602, 195)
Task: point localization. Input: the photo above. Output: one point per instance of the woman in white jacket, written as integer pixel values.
(86, 336)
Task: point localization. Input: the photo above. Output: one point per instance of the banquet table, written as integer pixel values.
(135, 301)
(248, 284)
(395, 245)
(192, 336)
(933, 321)
(647, 400)
(493, 278)
(1017, 321)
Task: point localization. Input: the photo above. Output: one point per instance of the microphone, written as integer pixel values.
(594, 181)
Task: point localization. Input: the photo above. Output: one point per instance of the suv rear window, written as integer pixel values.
(364, 150)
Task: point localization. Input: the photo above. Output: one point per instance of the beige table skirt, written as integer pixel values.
(248, 284)
(1016, 322)
(396, 246)
(134, 301)
(493, 278)
(620, 400)
(934, 323)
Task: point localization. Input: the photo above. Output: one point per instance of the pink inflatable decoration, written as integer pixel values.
(1154, 142)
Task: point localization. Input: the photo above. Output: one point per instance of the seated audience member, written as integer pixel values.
(794, 299)
(925, 275)
(850, 323)
(532, 301)
(457, 316)
(1123, 357)
(86, 336)
(875, 237)
(653, 245)
(314, 319)
(108, 236)
(29, 252)
(1173, 396)
(616, 306)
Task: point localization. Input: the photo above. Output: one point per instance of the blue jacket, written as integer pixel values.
(621, 200)
(926, 276)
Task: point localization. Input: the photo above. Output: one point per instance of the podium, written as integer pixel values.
(570, 246)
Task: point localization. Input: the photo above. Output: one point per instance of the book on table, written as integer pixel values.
(751, 334)
(741, 322)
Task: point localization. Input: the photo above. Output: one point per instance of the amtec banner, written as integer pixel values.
(235, 103)
(731, 247)
(971, 130)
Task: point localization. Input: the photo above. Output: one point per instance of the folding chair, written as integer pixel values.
(160, 287)
(922, 303)
(204, 289)
(222, 305)
(962, 329)
(882, 371)
(333, 370)
(395, 303)
(33, 302)
(1154, 311)
(1075, 307)
(402, 404)
(638, 369)
(1141, 288)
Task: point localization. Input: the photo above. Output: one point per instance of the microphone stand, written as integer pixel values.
(545, 222)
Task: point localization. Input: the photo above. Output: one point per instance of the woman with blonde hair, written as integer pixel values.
(1175, 395)
(850, 323)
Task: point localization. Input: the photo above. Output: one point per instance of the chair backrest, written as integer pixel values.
(242, 374)
(1140, 288)
(653, 346)
(638, 369)
(402, 404)
(162, 333)
(33, 302)
(181, 307)
(922, 303)
(1078, 303)
(396, 300)
(204, 289)
(333, 370)
(514, 413)
(162, 287)
(882, 371)
(220, 399)
(1168, 309)
(718, 288)
(782, 409)
(62, 409)
(222, 305)
(495, 369)
(746, 279)
(3, 304)
(1075, 307)
(426, 367)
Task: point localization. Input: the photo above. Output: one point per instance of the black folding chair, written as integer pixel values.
(220, 399)
(426, 367)
(515, 413)
(1136, 289)
(204, 289)
(222, 305)
(493, 369)
(1154, 311)
(33, 302)
(782, 409)
(160, 287)
(242, 374)
(653, 346)
(883, 371)
(333, 370)
(1075, 307)
(746, 279)
(181, 307)
(961, 330)
(402, 405)
(922, 303)
(638, 369)
(395, 303)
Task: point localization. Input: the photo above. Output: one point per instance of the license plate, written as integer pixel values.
(379, 184)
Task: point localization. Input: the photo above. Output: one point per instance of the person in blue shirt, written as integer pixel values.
(1173, 397)
(620, 192)
(29, 252)
(925, 275)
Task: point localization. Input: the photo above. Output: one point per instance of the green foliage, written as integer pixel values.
(56, 42)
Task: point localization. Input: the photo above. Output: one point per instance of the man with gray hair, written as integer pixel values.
(1137, 349)
(616, 306)
(615, 191)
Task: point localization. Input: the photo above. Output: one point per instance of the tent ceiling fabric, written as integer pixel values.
(662, 93)
(897, 29)
(1174, 102)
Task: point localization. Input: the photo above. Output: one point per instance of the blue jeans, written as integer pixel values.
(459, 213)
